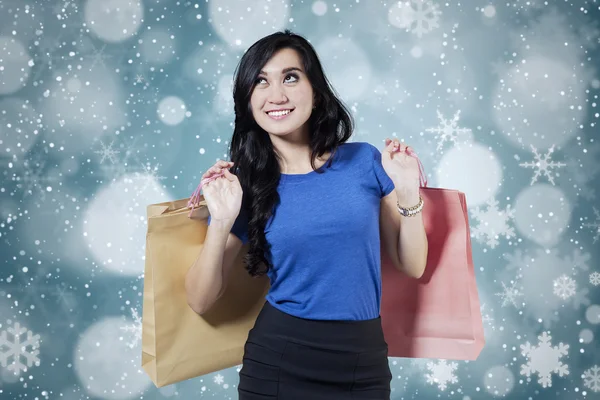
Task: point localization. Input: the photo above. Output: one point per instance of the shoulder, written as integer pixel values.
(357, 153)
(361, 149)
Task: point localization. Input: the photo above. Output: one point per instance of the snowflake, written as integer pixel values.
(564, 287)
(448, 131)
(441, 373)
(595, 278)
(537, 272)
(493, 223)
(147, 178)
(123, 164)
(595, 225)
(544, 359)
(509, 294)
(591, 378)
(219, 379)
(424, 17)
(135, 329)
(578, 261)
(18, 349)
(107, 151)
(542, 165)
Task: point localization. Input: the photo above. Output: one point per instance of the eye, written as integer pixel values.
(258, 80)
(292, 75)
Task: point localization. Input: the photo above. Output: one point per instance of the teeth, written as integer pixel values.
(279, 113)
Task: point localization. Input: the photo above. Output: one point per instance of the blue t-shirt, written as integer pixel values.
(324, 235)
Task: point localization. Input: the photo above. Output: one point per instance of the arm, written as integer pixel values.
(412, 240)
(204, 280)
(404, 238)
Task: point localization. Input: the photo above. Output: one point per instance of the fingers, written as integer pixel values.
(218, 168)
(230, 177)
(395, 146)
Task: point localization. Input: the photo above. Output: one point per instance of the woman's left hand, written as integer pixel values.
(402, 169)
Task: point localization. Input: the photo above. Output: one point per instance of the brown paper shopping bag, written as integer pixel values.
(177, 343)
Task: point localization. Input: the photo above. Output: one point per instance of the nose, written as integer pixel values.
(277, 94)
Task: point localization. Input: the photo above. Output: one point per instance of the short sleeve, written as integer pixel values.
(240, 226)
(386, 185)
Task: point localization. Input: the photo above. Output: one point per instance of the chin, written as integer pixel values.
(281, 127)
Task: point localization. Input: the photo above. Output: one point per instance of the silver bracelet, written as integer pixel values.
(411, 211)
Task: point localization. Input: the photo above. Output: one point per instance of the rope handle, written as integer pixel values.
(195, 197)
(422, 176)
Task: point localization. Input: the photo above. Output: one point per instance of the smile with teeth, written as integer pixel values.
(279, 114)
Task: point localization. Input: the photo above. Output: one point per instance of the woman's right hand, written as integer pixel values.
(224, 194)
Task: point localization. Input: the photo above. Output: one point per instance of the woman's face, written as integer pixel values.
(282, 85)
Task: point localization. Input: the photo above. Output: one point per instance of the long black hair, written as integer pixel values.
(255, 160)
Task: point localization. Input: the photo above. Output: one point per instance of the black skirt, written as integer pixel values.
(291, 358)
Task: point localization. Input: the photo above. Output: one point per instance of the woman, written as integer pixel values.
(314, 231)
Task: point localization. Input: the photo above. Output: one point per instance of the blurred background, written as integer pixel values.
(107, 106)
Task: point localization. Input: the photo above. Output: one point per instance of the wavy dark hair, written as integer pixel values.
(255, 160)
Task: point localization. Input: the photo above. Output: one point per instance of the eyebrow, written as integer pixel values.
(284, 71)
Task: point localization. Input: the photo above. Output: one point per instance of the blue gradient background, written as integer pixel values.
(72, 225)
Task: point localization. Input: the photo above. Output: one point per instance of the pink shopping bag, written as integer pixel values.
(438, 315)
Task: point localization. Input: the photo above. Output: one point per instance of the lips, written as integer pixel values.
(281, 109)
(280, 117)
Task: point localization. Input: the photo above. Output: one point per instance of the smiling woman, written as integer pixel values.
(319, 333)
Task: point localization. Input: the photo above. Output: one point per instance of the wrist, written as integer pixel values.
(412, 210)
(407, 197)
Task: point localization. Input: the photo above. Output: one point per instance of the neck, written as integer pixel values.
(293, 150)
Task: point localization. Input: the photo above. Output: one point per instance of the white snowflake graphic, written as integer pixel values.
(537, 272)
(107, 151)
(509, 294)
(493, 223)
(564, 287)
(121, 163)
(27, 349)
(219, 379)
(148, 177)
(442, 373)
(544, 359)
(424, 17)
(591, 378)
(448, 130)
(542, 165)
(135, 329)
(595, 225)
(595, 278)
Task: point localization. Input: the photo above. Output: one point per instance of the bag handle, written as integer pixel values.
(422, 176)
(195, 197)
